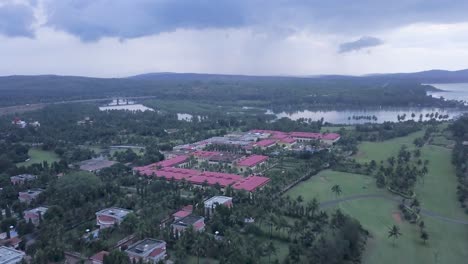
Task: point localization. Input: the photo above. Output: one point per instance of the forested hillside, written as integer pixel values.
(279, 91)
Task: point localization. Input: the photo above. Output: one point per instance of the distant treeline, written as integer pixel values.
(281, 93)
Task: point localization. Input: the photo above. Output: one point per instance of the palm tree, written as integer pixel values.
(336, 189)
(394, 232)
(424, 236)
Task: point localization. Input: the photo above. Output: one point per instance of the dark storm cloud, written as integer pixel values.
(364, 42)
(91, 20)
(16, 20)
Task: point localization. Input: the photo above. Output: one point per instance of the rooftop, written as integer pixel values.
(33, 192)
(331, 136)
(99, 256)
(288, 140)
(252, 160)
(217, 200)
(172, 161)
(114, 212)
(41, 209)
(195, 176)
(95, 164)
(181, 214)
(266, 143)
(306, 135)
(144, 247)
(189, 220)
(24, 177)
(10, 255)
(251, 183)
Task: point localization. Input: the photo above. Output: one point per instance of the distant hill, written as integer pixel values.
(431, 76)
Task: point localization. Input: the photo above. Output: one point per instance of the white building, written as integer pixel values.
(211, 203)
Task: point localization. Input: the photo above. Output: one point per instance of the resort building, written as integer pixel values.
(251, 162)
(35, 215)
(196, 222)
(22, 178)
(111, 216)
(29, 195)
(210, 204)
(149, 250)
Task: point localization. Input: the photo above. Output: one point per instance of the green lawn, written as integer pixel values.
(38, 156)
(448, 243)
(330, 129)
(382, 150)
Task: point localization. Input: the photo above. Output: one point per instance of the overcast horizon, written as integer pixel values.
(117, 38)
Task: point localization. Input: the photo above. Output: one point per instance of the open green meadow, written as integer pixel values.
(448, 242)
(382, 150)
(331, 129)
(38, 156)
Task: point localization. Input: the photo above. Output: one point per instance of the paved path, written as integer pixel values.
(424, 212)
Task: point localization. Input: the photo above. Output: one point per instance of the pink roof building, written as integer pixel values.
(251, 183)
(265, 143)
(309, 135)
(177, 160)
(331, 136)
(288, 140)
(252, 161)
(185, 211)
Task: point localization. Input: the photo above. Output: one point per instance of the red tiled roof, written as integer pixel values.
(188, 208)
(288, 140)
(266, 142)
(251, 183)
(199, 225)
(306, 135)
(181, 214)
(252, 160)
(199, 177)
(99, 256)
(331, 136)
(106, 218)
(157, 252)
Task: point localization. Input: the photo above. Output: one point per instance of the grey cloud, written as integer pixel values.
(91, 20)
(16, 20)
(363, 42)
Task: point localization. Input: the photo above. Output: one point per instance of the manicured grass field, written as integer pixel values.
(382, 150)
(437, 192)
(447, 243)
(335, 128)
(38, 156)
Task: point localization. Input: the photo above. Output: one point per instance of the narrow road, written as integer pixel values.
(395, 199)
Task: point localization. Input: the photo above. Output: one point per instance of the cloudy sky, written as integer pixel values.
(115, 38)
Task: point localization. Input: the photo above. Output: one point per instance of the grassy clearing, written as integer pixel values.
(447, 243)
(38, 156)
(330, 129)
(382, 150)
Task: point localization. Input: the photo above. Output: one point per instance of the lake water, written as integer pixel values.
(129, 107)
(382, 115)
(452, 91)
